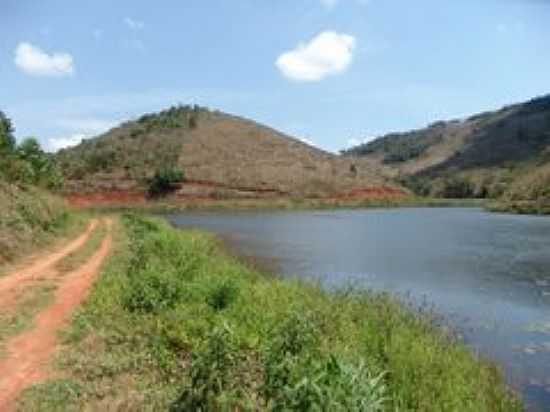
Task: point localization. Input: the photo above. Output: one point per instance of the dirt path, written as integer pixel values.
(28, 353)
(44, 263)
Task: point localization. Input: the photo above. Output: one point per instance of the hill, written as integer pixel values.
(30, 218)
(221, 156)
(491, 154)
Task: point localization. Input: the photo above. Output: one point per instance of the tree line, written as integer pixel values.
(26, 162)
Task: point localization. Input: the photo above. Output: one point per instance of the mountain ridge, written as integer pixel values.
(486, 152)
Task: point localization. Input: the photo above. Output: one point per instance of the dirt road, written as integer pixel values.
(26, 355)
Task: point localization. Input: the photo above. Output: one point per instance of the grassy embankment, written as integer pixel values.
(31, 218)
(525, 207)
(529, 194)
(168, 204)
(176, 323)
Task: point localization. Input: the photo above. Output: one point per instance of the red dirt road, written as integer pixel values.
(27, 354)
(44, 263)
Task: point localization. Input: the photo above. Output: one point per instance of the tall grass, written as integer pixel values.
(31, 218)
(176, 324)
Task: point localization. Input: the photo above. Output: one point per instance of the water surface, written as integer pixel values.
(487, 274)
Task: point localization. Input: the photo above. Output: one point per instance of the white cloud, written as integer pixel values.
(328, 53)
(58, 143)
(35, 62)
(134, 24)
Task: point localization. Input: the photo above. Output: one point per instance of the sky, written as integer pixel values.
(331, 72)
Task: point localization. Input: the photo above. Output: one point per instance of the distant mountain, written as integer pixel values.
(492, 154)
(221, 156)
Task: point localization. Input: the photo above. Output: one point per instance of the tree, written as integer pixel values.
(164, 181)
(7, 139)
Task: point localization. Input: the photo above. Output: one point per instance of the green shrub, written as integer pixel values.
(154, 290)
(327, 384)
(222, 294)
(299, 376)
(164, 181)
(212, 381)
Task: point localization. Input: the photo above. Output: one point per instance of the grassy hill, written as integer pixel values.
(493, 154)
(222, 156)
(29, 219)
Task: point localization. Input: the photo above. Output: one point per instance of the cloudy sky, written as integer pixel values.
(334, 72)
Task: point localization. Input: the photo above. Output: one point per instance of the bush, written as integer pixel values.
(164, 181)
(153, 290)
(222, 294)
(299, 376)
(212, 381)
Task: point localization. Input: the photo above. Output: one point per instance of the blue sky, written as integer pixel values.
(330, 71)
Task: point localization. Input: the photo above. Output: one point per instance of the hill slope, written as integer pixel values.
(483, 156)
(29, 218)
(221, 156)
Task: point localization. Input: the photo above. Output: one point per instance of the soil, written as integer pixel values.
(27, 354)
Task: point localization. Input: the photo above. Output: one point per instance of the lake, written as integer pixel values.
(487, 274)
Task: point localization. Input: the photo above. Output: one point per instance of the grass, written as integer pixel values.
(175, 323)
(30, 219)
(524, 207)
(168, 205)
(30, 302)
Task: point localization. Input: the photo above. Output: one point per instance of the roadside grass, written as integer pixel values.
(79, 256)
(30, 219)
(22, 236)
(175, 323)
(29, 303)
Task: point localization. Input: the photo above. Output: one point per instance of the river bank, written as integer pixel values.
(175, 322)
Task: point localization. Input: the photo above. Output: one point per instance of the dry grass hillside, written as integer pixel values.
(222, 156)
(482, 156)
(29, 217)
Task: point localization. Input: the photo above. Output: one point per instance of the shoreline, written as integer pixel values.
(169, 205)
(170, 299)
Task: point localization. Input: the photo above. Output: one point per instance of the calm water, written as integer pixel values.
(488, 274)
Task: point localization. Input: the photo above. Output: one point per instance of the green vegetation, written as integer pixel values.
(135, 149)
(529, 193)
(165, 181)
(502, 155)
(26, 163)
(172, 118)
(174, 323)
(401, 147)
(31, 301)
(30, 218)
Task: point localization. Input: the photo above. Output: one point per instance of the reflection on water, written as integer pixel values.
(488, 274)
